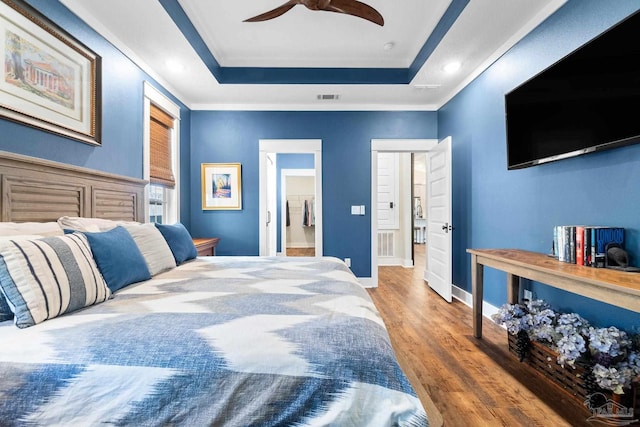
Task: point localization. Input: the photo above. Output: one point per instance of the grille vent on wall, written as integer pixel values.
(328, 97)
(386, 244)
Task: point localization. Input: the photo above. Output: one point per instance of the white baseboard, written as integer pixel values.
(467, 299)
(366, 282)
(394, 261)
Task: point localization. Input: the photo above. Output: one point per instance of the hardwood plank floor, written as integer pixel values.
(471, 382)
(301, 252)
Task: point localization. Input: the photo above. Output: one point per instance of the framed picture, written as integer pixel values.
(50, 81)
(221, 186)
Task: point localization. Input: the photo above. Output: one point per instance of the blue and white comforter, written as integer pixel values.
(216, 342)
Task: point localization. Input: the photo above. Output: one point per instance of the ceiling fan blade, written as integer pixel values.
(356, 8)
(280, 10)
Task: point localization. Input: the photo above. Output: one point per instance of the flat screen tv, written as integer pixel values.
(587, 101)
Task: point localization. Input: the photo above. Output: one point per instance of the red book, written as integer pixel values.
(580, 245)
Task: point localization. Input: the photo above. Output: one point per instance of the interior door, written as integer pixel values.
(388, 189)
(271, 224)
(439, 227)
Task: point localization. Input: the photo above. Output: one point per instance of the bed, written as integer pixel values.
(224, 341)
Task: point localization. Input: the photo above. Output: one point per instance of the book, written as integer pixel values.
(600, 238)
(580, 245)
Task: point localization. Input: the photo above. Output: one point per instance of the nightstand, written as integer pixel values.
(206, 246)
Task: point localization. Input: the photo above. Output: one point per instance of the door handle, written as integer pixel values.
(447, 227)
(268, 217)
(391, 205)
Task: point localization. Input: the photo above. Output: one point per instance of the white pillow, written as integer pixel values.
(153, 246)
(45, 229)
(91, 225)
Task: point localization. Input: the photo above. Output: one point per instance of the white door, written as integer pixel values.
(439, 227)
(272, 233)
(388, 189)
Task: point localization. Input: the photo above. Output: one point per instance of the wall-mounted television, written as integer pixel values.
(587, 101)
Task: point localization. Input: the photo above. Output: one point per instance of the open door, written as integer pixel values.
(439, 227)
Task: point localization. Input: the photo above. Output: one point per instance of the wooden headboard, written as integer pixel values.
(39, 190)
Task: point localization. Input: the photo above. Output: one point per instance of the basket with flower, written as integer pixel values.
(582, 359)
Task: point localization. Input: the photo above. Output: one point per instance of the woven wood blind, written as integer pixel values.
(161, 125)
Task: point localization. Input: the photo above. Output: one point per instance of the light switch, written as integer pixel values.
(355, 210)
(361, 209)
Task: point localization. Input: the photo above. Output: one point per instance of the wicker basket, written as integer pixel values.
(544, 360)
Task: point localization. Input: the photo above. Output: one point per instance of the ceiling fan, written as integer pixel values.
(348, 7)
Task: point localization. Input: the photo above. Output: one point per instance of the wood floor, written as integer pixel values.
(301, 251)
(471, 382)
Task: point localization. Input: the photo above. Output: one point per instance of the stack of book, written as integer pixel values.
(585, 245)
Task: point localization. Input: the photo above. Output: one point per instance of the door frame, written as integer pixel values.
(392, 146)
(291, 146)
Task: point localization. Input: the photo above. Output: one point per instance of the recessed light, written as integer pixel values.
(452, 67)
(174, 65)
(389, 46)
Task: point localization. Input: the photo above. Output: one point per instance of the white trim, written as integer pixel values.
(366, 282)
(396, 146)
(313, 107)
(153, 95)
(467, 299)
(284, 173)
(395, 261)
(313, 146)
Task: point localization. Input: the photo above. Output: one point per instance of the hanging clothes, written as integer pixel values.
(287, 215)
(305, 214)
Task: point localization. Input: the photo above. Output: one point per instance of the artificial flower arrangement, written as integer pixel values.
(610, 355)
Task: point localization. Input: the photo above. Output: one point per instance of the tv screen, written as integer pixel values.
(587, 101)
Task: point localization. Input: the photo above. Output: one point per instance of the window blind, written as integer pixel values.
(161, 125)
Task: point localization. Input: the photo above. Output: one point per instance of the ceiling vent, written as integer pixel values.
(328, 97)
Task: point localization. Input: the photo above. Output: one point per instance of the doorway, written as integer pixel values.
(297, 223)
(271, 213)
(437, 270)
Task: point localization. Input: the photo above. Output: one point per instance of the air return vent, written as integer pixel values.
(328, 97)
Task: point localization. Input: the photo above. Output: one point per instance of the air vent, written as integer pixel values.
(328, 97)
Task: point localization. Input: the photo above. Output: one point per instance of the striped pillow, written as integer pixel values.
(45, 278)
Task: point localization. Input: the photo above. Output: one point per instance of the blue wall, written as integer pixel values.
(232, 136)
(288, 161)
(122, 113)
(496, 208)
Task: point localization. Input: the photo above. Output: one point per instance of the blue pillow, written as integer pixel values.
(118, 258)
(179, 241)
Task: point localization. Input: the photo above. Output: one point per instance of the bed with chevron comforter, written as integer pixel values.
(219, 341)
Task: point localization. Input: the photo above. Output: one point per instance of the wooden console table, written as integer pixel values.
(613, 287)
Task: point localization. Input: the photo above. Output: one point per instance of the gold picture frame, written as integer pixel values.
(221, 186)
(51, 81)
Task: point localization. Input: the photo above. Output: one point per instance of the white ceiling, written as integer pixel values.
(144, 31)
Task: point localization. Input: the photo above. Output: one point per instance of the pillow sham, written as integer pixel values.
(45, 278)
(154, 248)
(5, 310)
(180, 242)
(92, 225)
(118, 258)
(30, 228)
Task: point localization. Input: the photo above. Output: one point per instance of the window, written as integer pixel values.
(161, 156)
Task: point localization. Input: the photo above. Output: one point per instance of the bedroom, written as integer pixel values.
(521, 214)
